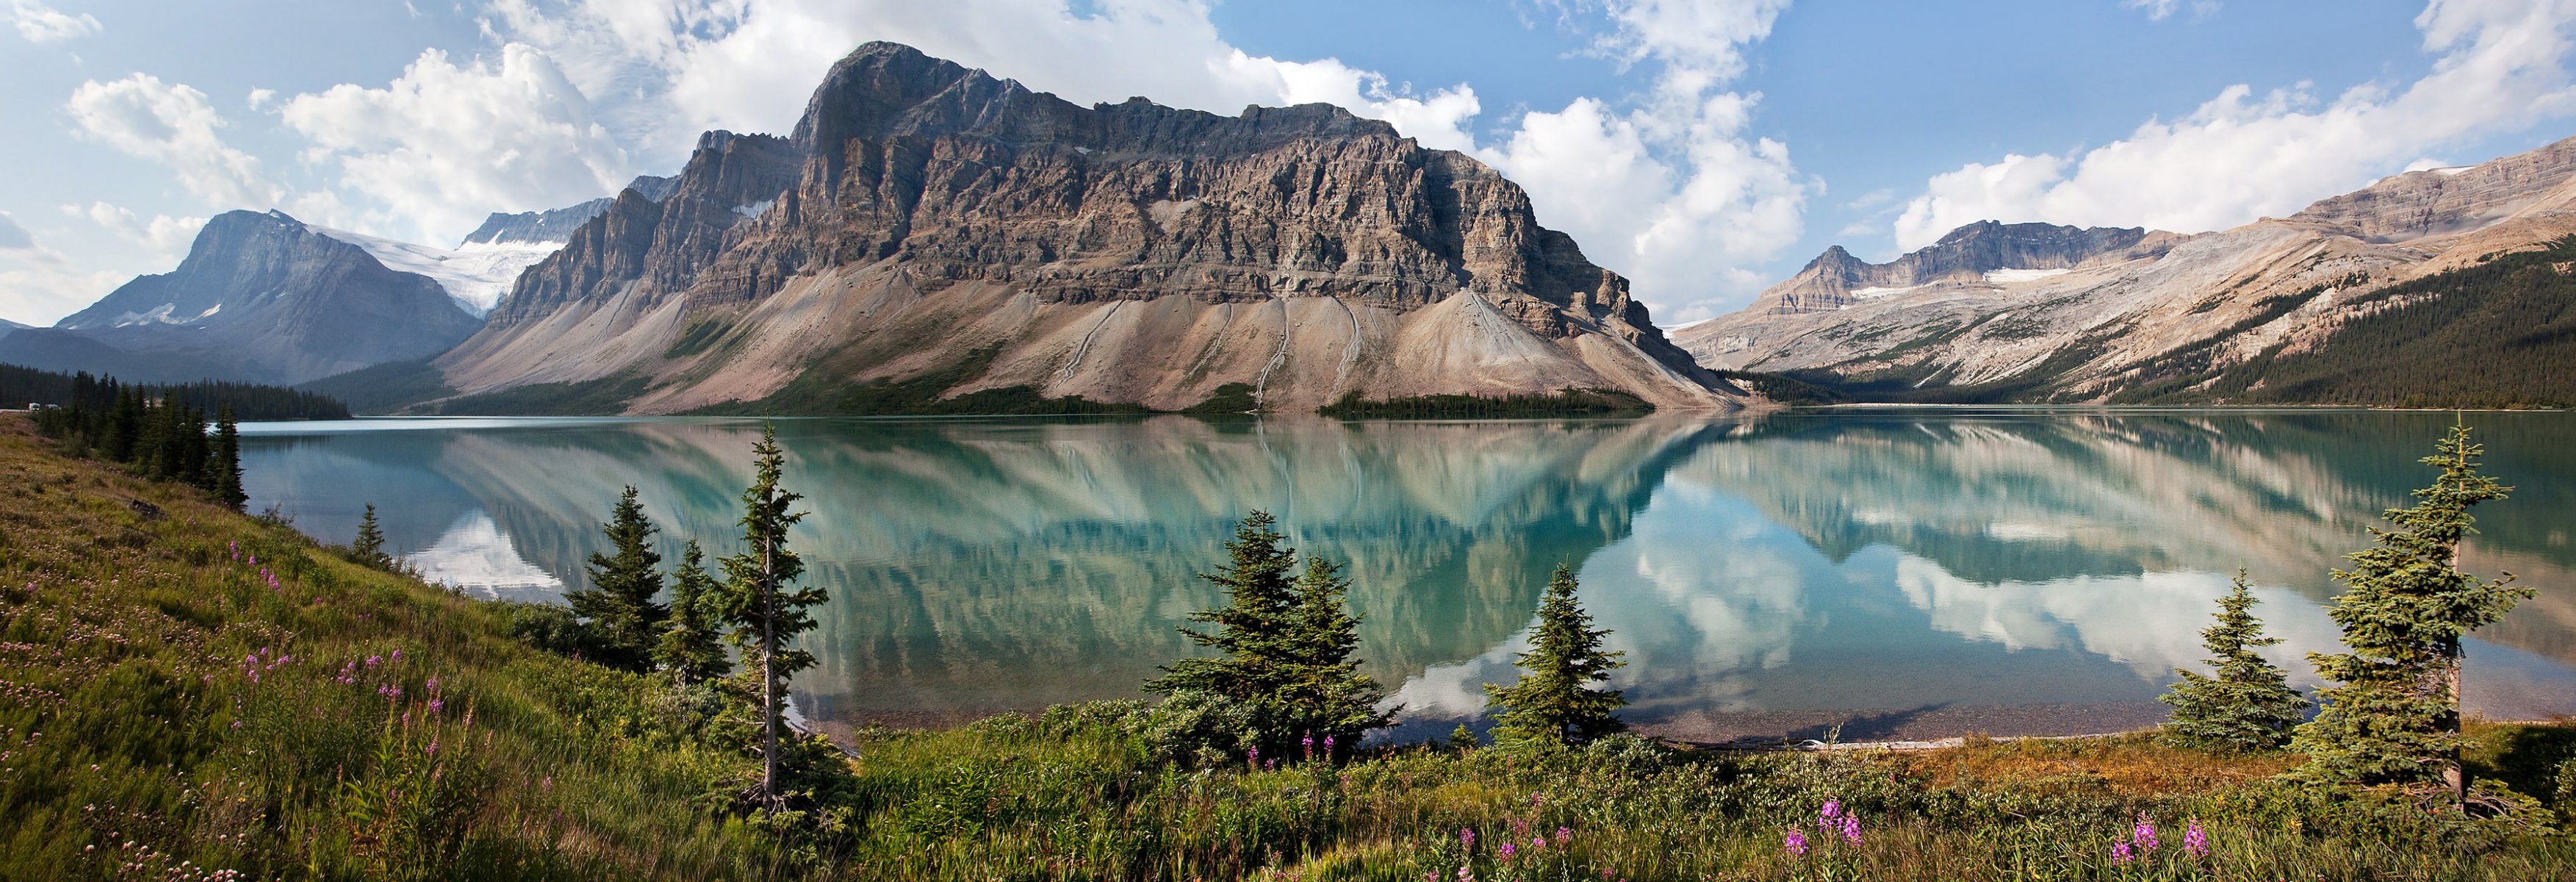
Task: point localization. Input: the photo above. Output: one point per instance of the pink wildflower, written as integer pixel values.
(1564, 835)
(2120, 852)
(1505, 852)
(2145, 834)
(1467, 836)
(1851, 829)
(1796, 844)
(2195, 841)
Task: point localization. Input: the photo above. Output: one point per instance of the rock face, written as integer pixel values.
(261, 297)
(2094, 315)
(1125, 252)
(1836, 279)
(557, 225)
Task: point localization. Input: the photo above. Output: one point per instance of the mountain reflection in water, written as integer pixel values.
(1895, 573)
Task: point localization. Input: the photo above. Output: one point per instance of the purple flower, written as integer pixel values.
(2145, 834)
(1328, 744)
(1833, 809)
(1538, 842)
(2120, 852)
(435, 704)
(1796, 844)
(1851, 829)
(1505, 852)
(397, 656)
(1564, 835)
(375, 660)
(2195, 841)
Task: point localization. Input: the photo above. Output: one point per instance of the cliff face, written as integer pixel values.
(1127, 252)
(2033, 312)
(1836, 279)
(260, 297)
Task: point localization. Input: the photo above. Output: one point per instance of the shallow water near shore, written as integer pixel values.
(1864, 575)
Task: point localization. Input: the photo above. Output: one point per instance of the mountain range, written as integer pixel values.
(931, 239)
(2439, 287)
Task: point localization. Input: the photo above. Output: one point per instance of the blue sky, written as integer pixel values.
(1705, 149)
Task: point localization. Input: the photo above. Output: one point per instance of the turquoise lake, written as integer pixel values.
(1871, 574)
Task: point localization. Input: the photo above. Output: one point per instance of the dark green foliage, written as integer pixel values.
(384, 388)
(1786, 389)
(820, 392)
(2249, 705)
(224, 473)
(2394, 717)
(764, 612)
(546, 626)
(606, 395)
(1564, 402)
(619, 602)
(1554, 703)
(701, 334)
(20, 386)
(1285, 674)
(1228, 398)
(2516, 313)
(690, 646)
(368, 549)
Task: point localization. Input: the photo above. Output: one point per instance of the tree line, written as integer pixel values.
(21, 386)
(164, 438)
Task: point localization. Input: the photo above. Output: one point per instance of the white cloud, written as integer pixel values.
(2501, 66)
(166, 237)
(2159, 10)
(1698, 202)
(446, 143)
(38, 284)
(260, 99)
(173, 124)
(39, 23)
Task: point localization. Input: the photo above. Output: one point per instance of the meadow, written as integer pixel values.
(190, 693)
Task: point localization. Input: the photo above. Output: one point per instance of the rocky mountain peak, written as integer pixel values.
(1965, 255)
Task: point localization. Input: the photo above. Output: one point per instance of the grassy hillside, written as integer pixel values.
(170, 711)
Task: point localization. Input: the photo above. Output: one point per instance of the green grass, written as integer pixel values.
(606, 395)
(157, 691)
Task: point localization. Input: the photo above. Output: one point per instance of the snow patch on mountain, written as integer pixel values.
(474, 275)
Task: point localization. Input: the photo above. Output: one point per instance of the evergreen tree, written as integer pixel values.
(225, 462)
(2394, 715)
(124, 425)
(1327, 696)
(689, 646)
(369, 547)
(1252, 629)
(619, 602)
(2249, 705)
(764, 611)
(1552, 704)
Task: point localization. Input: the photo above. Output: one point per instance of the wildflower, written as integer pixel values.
(1505, 852)
(2195, 841)
(1467, 836)
(2145, 834)
(1328, 745)
(375, 660)
(1796, 844)
(432, 750)
(1464, 876)
(1564, 835)
(397, 656)
(1252, 756)
(1851, 829)
(1833, 809)
(2120, 852)
(435, 704)
(1538, 843)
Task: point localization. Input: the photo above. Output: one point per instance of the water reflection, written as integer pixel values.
(1894, 572)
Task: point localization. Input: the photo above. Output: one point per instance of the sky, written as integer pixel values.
(1703, 149)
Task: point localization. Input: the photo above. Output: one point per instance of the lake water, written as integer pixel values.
(1891, 573)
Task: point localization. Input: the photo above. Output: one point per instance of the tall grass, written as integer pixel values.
(188, 694)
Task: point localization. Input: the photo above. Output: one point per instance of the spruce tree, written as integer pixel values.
(369, 547)
(1553, 703)
(765, 612)
(225, 462)
(1252, 629)
(619, 602)
(2394, 715)
(1327, 695)
(689, 646)
(2249, 705)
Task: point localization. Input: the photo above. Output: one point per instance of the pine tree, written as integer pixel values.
(1552, 704)
(1252, 629)
(689, 646)
(619, 602)
(2249, 705)
(2394, 715)
(225, 461)
(369, 547)
(764, 611)
(1327, 696)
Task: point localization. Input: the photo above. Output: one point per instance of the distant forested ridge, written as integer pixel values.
(21, 386)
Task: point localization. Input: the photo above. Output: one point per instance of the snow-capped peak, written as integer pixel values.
(474, 275)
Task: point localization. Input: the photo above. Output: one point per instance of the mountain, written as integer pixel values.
(260, 296)
(555, 226)
(931, 225)
(2371, 297)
